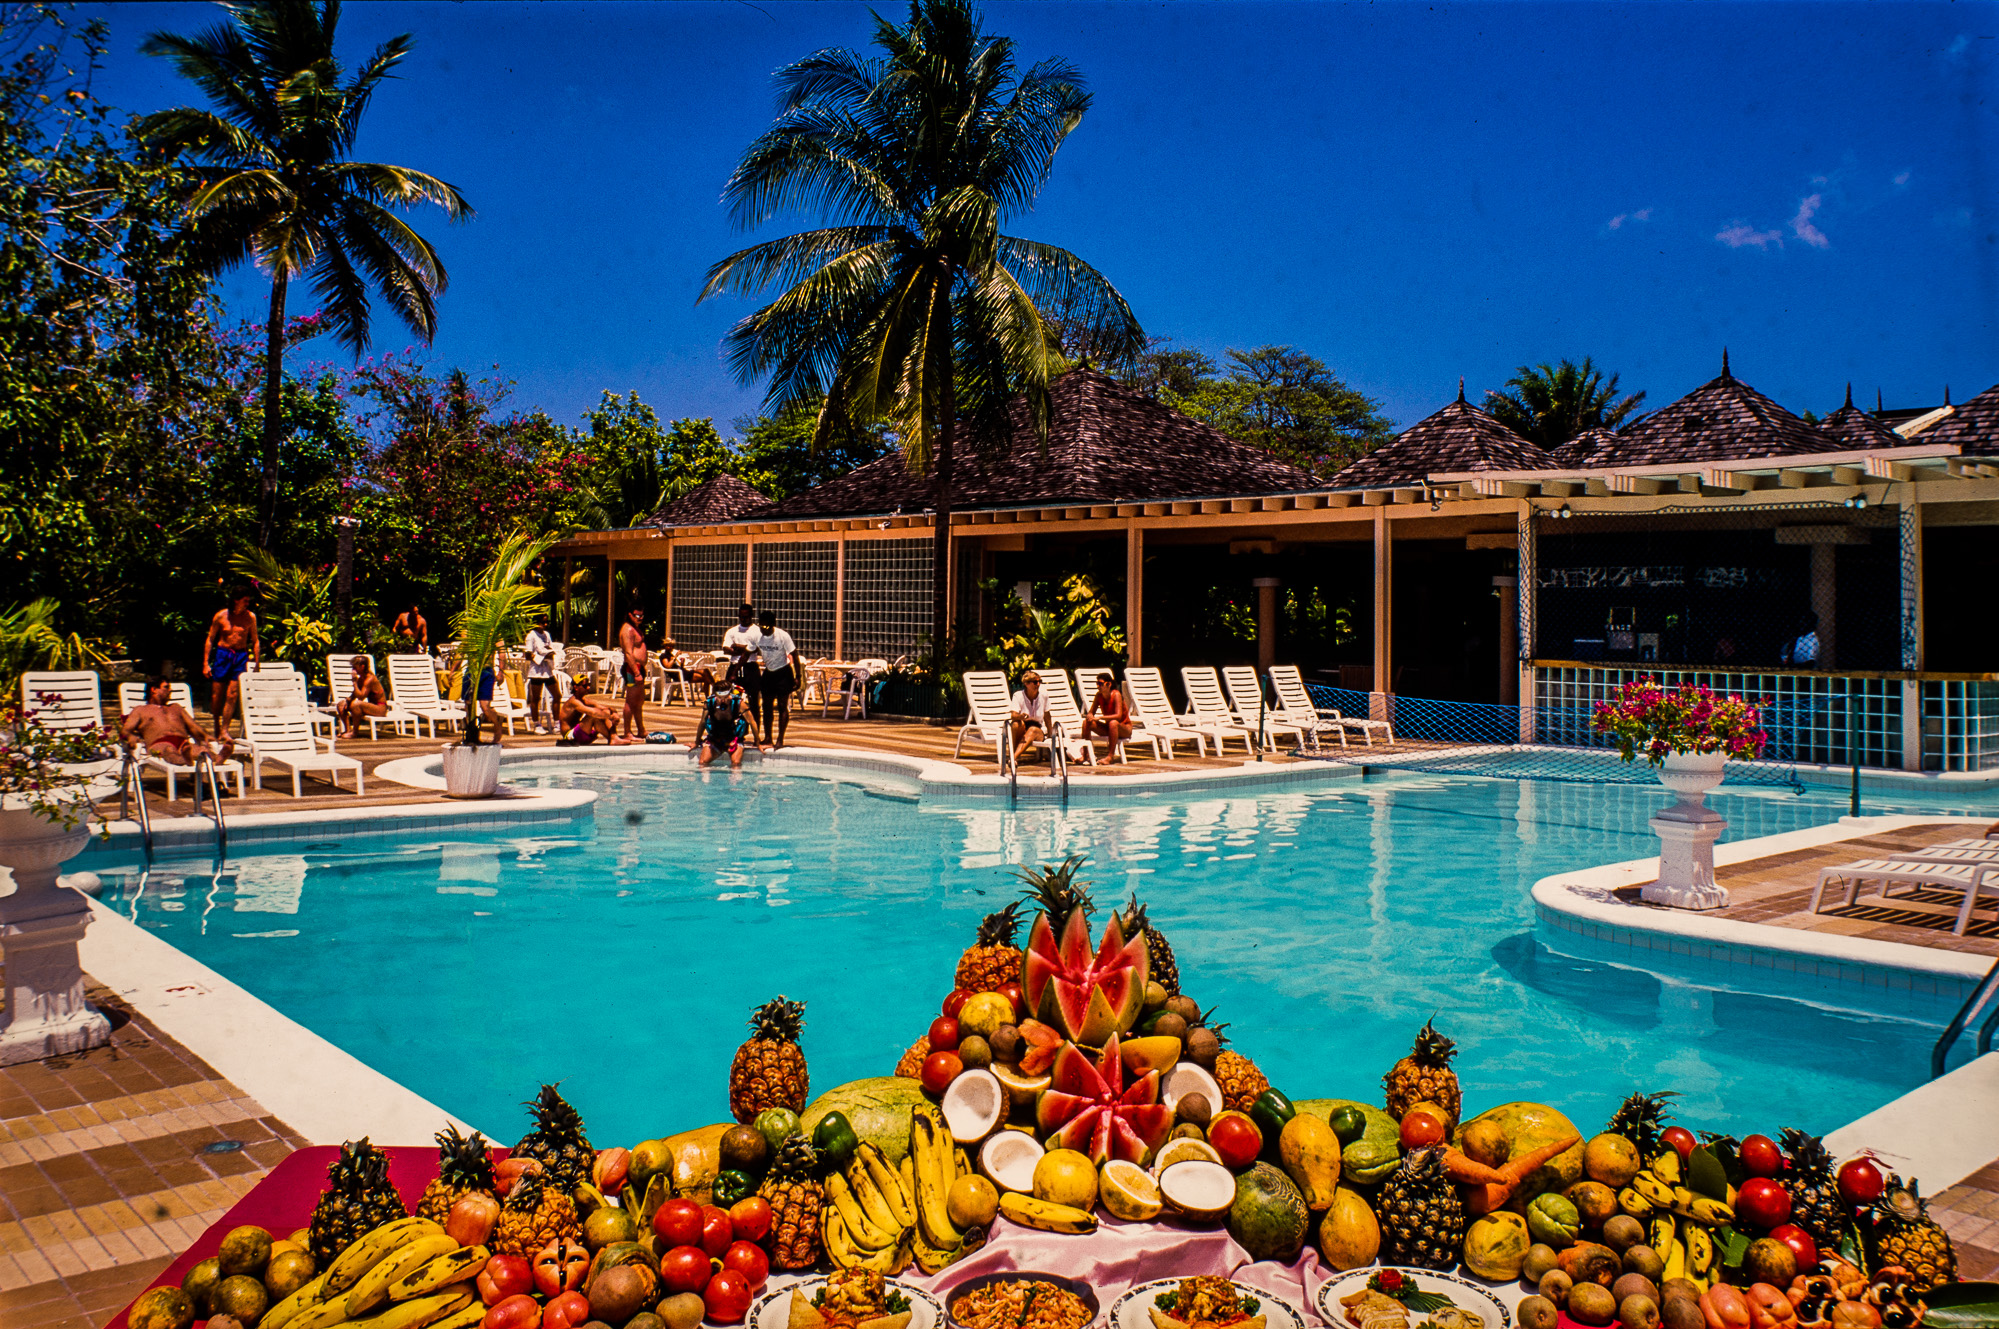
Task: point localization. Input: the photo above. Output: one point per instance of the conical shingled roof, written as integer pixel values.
(1722, 420)
(1974, 426)
(1856, 430)
(724, 498)
(1456, 439)
(1106, 444)
(1580, 451)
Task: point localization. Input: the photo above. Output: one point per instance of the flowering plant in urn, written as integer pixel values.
(1692, 718)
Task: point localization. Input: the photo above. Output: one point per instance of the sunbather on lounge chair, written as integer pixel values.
(1108, 717)
(584, 721)
(168, 729)
(365, 698)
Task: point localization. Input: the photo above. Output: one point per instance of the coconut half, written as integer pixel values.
(974, 1104)
(1184, 1078)
(1199, 1190)
(1009, 1158)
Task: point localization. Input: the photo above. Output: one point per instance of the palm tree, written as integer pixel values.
(911, 308)
(499, 602)
(272, 182)
(1552, 404)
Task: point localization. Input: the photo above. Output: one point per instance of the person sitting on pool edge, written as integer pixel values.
(583, 722)
(167, 729)
(723, 725)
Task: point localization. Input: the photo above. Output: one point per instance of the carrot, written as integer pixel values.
(1468, 1171)
(1483, 1198)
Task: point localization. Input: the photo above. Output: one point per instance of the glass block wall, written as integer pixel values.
(796, 580)
(1960, 725)
(888, 597)
(707, 588)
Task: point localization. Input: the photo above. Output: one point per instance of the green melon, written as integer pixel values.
(1268, 1218)
(1529, 1126)
(1375, 1154)
(878, 1109)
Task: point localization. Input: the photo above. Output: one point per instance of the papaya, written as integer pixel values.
(1310, 1153)
(1496, 1246)
(1349, 1235)
(1527, 1127)
(1378, 1151)
(696, 1157)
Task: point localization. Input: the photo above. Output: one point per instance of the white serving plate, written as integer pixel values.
(1130, 1310)
(772, 1310)
(1467, 1296)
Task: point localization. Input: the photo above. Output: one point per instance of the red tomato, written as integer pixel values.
(519, 1311)
(1236, 1138)
(566, 1311)
(678, 1223)
(1860, 1181)
(955, 1002)
(717, 1230)
(1762, 1203)
(684, 1269)
(1421, 1128)
(1016, 996)
(727, 1297)
(752, 1218)
(1681, 1140)
(505, 1276)
(748, 1259)
(1760, 1156)
(939, 1069)
(944, 1034)
(1800, 1242)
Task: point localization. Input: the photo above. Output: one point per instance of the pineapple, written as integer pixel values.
(993, 960)
(557, 1141)
(911, 1065)
(463, 1166)
(1641, 1119)
(1905, 1234)
(1425, 1076)
(358, 1200)
(1161, 967)
(1056, 892)
(1422, 1218)
(1240, 1081)
(769, 1070)
(532, 1216)
(1815, 1202)
(795, 1201)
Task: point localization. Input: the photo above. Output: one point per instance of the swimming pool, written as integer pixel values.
(1326, 922)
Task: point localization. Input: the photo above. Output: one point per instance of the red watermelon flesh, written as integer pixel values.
(1088, 997)
(1090, 1109)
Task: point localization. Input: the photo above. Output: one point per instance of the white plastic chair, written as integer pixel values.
(1152, 714)
(852, 692)
(1063, 711)
(1086, 690)
(1972, 878)
(991, 702)
(132, 696)
(340, 674)
(1207, 708)
(509, 707)
(1296, 703)
(279, 723)
(413, 686)
(65, 700)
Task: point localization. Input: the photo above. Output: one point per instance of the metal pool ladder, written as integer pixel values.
(131, 788)
(1987, 989)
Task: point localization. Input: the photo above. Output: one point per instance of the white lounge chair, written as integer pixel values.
(133, 695)
(1252, 712)
(340, 675)
(413, 686)
(1152, 714)
(278, 722)
(65, 700)
(509, 707)
(991, 703)
(1207, 705)
(1970, 878)
(1086, 690)
(1296, 702)
(1063, 711)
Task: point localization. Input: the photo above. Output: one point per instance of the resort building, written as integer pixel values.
(1721, 538)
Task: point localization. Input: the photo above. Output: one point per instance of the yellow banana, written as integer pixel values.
(933, 1185)
(908, 1173)
(1660, 1234)
(1631, 1202)
(371, 1250)
(451, 1267)
(1674, 1253)
(421, 1311)
(373, 1289)
(873, 1202)
(1653, 1189)
(290, 1308)
(833, 1236)
(962, 1165)
(1045, 1214)
(1712, 1212)
(859, 1226)
(1667, 1167)
(900, 1196)
(466, 1317)
(327, 1313)
(1701, 1253)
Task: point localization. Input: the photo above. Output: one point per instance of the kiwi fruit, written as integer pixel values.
(682, 1310)
(1638, 1313)
(1203, 1048)
(1621, 1232)
(1005, 1043)
(1537, 1312)
(1186, 1008)
(1682, 1313)
(1591, 1303)
(1540, 1259)
(975, 1052)
(1684, 1289)
(1195, 1108)
(1628, 1286)
(1168, 1025)
(1642, 1259)
(1556, 1286)
(744, 1149)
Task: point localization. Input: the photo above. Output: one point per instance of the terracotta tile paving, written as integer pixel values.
(1969, 1212)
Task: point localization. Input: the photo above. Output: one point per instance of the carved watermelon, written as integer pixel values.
(1088, 997)
(1089, 1109)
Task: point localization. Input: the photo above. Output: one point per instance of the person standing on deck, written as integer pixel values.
(740, 646)
(410, 626)
(228, 651)
(632, 642)
(540, 649)
(778, 656)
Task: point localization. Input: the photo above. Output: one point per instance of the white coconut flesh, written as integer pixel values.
(1198, 1188)
(1184, 1078)
(973, 1106)
(1009, 1158)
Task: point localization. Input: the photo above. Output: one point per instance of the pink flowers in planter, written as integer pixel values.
(1648, 718)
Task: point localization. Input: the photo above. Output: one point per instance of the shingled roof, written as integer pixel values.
(1973, 426)
(724, 498)
(1722, 420)
(1457, 439)
(1855, 429)
(1106, 444)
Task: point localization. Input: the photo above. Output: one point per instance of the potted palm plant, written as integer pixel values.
(498, 601)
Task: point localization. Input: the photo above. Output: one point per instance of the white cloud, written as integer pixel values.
(1801, 225)
(1641, 215)
(1741, 235)
(1901, 181)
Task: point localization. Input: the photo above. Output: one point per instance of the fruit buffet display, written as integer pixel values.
(1070, 1090)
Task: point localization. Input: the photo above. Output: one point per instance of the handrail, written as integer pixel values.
(1987, 988)
(128, 781)
(1058, 757)
(205, 760)
(1009, 766)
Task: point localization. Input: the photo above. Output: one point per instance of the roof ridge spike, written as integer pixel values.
(1461, 390)
(1946, 394)
(1724, 362)
(1849, 394)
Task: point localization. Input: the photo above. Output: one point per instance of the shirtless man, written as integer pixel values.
(366, 698)
(411, 627)
(169, 730)
(584, 722)
(229, 650)
(631, 640)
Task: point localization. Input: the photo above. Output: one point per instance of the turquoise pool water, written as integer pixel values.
(622, 957)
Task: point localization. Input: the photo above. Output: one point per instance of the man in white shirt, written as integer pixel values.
(740, 648)
(777, 655)
(1030, 714)
(1803, 652)
(540, 650)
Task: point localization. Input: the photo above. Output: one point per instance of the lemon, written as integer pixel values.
(1129, 1193)
(1185, 1149)
(984, 1013)
(972, 1202)
(1064, 1176)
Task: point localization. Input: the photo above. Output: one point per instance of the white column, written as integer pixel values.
(610, 602)
(1509, 640)
(840, 596)
(666, 612)
(1266, 621)
(40, 926)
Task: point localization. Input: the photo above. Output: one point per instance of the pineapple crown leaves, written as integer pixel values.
(1055, 890)
(1432, 1049)
(1807, 1152)
(463, 1161)
(1134, 919)
(1902, 1203)
(525, 1197)
(1640, 1118)
(554, 1117)
(796, 1159)
(1422, 1166)
(1207, 1022)
(1001, 927)
(778, 1020)
(360, 1166)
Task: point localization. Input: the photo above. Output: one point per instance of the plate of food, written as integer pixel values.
(1021, 1299)
(847, 1299)
(1391, 1297)
(1177, 1303)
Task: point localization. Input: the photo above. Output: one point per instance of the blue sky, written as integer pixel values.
(1411, 192)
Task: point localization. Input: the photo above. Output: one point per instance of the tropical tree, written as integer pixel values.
(272, 182)
(1283, 401)
(910, 307)
(1551, 404)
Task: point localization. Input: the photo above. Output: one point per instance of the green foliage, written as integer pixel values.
(780, 455)
(642, 465)
(1083, 628)
(30, 640)
(1551, 404)
(40, 765)
(498, 607)
(1279, 399)
(294, 610)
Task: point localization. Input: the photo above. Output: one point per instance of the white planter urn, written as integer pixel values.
(471, 772)
(40, 926)
(1687, 832)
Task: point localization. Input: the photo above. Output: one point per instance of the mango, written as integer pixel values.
(1310, 1152)
(1376, 1153)
(696, 1156)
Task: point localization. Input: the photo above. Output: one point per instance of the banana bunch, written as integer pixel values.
(1687, 1248)
(870, 1216)
(1678, 1219)
(404, 1275)
(934, 1162)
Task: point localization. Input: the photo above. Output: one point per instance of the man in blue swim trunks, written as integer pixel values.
(229, 651)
